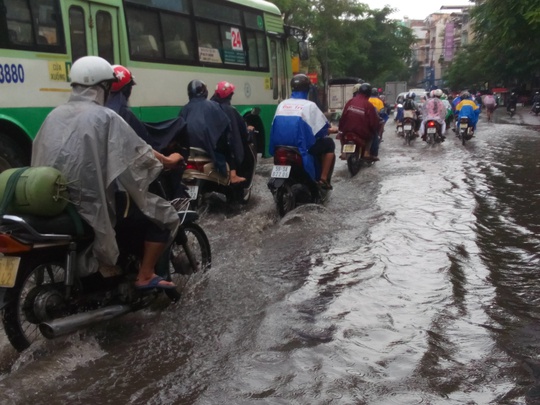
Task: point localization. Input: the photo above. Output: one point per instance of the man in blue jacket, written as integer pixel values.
(299, 122)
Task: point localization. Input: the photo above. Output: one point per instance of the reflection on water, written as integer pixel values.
(416, 284)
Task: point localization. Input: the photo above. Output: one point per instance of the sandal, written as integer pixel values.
(325, 185)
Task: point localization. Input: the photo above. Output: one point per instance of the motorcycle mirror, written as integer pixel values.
(255, 111)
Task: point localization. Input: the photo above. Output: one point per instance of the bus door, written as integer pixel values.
(93, 30)
(278, 68)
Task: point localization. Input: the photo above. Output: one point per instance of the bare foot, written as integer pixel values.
(237, 179)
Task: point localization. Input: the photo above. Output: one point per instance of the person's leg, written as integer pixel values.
(151, 255)
(374, 149)
(323, 149)
(224, 148)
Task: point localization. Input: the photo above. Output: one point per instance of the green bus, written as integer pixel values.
(165, 43)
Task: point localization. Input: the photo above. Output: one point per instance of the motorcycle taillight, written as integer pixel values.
(9, 245)
(195, 165)
(431, 124)
(286, 157)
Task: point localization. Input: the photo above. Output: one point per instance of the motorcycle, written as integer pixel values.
(399, 128)
(202, 178)
(536, 108)
(45, 291)
(465, 132)
(352, 151)
(409, 125)
(433, 132)
(290, 184)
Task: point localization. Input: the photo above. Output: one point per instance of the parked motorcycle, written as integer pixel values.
(290, 184)
(46, 291)
(536, 108)
(465, 130)
(202, 178)
(433, 132)
(352, 150)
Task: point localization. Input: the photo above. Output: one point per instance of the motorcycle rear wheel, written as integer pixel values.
(20, 321)
(285, 199)
(180, 269)
(354, 163)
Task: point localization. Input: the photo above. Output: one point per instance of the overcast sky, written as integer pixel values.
(414, 9)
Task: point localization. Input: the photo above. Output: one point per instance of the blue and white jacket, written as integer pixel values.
(298, 122)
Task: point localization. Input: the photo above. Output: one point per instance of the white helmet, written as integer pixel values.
(356, 87)
(437, 93)
(91, 70)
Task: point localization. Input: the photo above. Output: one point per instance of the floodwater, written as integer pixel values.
(416, 284)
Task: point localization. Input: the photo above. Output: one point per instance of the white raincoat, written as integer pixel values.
(99, 154)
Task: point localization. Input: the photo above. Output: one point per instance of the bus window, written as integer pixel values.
(282, 71)
(105, 36)
(31, 24)
(217, 12)
(178, 38)
(209, 43)
(19, 22)
(258, 55)
(144, 34)
(232, 45)
(77, 33)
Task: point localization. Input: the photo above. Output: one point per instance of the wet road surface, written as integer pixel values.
(415, 284)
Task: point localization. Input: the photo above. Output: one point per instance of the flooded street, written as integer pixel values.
(416, 284)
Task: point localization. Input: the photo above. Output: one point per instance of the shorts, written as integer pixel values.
(322, 146)
(130, 217)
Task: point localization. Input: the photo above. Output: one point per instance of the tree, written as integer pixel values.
(503, 51)
(347, 38)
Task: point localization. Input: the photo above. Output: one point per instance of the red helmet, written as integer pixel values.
(124, 78)
(224, 89)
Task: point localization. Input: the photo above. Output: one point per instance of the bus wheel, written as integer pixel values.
(11, 154)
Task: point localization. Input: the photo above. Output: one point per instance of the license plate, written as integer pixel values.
(8, 270)
(193, 192)
(431, 130)
(281, 172)
(464, 125)
(407, 127)
(349, 148)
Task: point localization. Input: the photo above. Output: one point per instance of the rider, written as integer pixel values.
(490, 103)
(383, 117)
(360, 118)
(434, 109)
(299, 122)
(209, 128)
(239, 130)
(175, 151)
(512, 101)
(467, 108)
(109, 169)
(410, 109)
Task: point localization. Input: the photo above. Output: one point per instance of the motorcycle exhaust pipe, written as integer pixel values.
(69, 324)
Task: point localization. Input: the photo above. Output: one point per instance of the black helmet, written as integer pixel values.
(375, 92)
(300, 82)
(197, 88)
(365, 89)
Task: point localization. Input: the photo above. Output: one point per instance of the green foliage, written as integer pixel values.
(503, 52)
(349, 39)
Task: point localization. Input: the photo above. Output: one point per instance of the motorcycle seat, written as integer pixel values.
(291, 148)
(62, 224)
